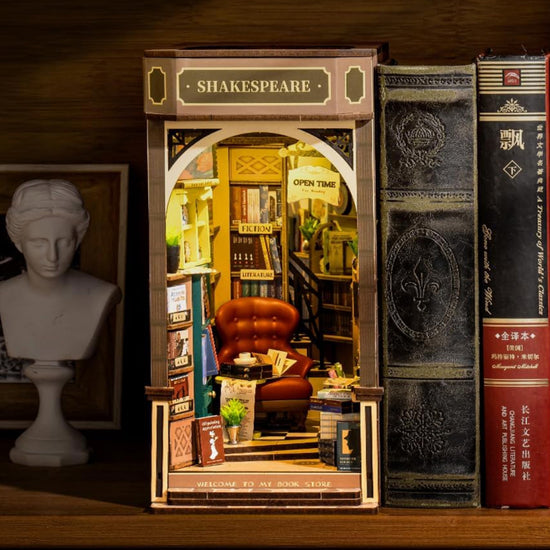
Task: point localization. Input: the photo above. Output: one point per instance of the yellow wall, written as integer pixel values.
(221, 217)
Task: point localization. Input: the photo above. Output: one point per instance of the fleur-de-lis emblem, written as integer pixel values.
(422, 285)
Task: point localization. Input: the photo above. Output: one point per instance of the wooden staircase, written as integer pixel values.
(266, 475)
(293, 448)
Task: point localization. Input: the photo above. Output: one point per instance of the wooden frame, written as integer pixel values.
(92, 398)
(173, 101)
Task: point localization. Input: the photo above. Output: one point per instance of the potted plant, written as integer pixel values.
(307, 229)
(233, 413)
(353, 244)
(173, 241)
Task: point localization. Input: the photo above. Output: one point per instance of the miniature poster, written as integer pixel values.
(179, 347)
(245, 390)
(179, 303)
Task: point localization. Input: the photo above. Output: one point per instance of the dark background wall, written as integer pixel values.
(71, 84)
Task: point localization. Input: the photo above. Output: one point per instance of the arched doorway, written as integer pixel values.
(310, 152)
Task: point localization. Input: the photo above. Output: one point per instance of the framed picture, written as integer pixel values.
(92, 398)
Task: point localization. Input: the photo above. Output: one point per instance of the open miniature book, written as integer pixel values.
(281, 363)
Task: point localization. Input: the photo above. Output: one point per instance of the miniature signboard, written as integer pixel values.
(313, 182)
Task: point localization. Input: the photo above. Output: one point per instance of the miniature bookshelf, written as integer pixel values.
(187, 214)
(258, 221)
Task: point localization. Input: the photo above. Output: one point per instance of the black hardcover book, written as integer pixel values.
(257, 371)
(429, 297)
(342, 406)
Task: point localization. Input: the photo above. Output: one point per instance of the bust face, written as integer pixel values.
(48, 245)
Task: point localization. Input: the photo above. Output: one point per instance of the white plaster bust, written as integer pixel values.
(51, 312)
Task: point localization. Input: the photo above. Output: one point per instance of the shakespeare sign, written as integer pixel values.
(254, 86)
(254, 83)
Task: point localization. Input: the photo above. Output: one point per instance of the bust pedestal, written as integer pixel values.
(50, 440)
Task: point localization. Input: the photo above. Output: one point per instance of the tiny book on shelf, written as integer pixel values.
(334, 405)
(235, 204)
(348, 445)
(513, 210)
(182, 453)
(182, 385)
(327, 451)
(179, 349)
(180, 408)
(210, 363)
(209, 440)
(428, 276)
(178, 303)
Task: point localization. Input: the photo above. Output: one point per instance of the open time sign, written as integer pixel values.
(313, 182)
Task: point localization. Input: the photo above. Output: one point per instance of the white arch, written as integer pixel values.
(225, 129)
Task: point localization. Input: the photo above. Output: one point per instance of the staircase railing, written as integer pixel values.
(304, 294)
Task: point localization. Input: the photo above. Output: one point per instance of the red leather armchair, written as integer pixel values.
(256, 324)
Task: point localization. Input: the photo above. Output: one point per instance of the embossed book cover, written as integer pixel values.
(513, 214)
(429, 294)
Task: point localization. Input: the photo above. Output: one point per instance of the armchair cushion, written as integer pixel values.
(284, 389)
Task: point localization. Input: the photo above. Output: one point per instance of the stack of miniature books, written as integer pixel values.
(335, 406)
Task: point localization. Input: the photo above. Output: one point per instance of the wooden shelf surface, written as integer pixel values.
(105, 504)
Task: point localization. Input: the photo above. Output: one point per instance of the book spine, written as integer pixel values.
(247, 375)
(236, 290)
(258, 259)
(266, 252)
(429, 322)
(513, 210)
(244, 204)
(274, 200)
(236, 261)
(344, 405)
(264, 203)
(247, 251)
(235, 200)
(275, 257)
(333, 406)
(210, 366)
(254, 288)
(253, 204)
(334, 394)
